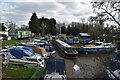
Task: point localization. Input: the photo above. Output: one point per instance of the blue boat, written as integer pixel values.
(55, 69)
(103, 47)
(87, 41)
(44, 39)
(69, 41)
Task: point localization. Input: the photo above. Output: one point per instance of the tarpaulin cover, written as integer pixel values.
(45, 39)
(56, 65)
(20, 52)
(86, 41)
(39, 50)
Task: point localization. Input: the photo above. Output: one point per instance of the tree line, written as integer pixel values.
(46, 26)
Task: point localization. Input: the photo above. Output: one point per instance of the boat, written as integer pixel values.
(115, 56)
(76, 40)
(68, 51)
(87, 41)
(69, 41)
(44, 39)
(113, 70)
(55, 69)
(96, 47)
(22, 54)
(48, 47)
(30, 43)
(41, 41)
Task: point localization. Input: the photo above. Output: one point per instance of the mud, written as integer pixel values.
(91, 65)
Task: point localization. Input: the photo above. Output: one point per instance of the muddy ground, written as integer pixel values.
(91, 65)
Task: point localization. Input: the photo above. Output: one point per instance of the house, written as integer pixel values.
(17, 34)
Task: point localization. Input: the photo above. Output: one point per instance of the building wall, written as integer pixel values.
(24, 34)
(20, 34)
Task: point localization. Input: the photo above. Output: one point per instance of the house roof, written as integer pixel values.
(84, 34)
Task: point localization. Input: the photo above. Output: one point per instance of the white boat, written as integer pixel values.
(96, 47)
(22, 54)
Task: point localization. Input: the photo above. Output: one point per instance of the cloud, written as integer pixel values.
(20, 12)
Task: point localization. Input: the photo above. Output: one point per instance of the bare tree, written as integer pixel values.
(108, 9)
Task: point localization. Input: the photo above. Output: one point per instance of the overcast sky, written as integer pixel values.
(20, 11)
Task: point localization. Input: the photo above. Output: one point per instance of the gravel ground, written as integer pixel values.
(91, 65)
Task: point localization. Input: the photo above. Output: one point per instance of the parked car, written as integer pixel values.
(55, 70)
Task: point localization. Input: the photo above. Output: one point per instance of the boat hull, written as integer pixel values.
(94, 50)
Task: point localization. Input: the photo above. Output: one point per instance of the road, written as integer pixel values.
(91, 65)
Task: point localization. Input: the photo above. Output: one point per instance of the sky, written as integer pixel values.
(20, 11)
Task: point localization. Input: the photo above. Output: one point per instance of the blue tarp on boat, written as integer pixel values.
(56, 65)
(69, 41)
(20, 52)
(44, 39)
(86, 41)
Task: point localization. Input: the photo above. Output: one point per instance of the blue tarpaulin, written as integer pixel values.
(69, 41)
(86, 41)
(56, 65)
(20, 52)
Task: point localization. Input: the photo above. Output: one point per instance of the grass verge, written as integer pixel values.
(11, 42)
(21, 72)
